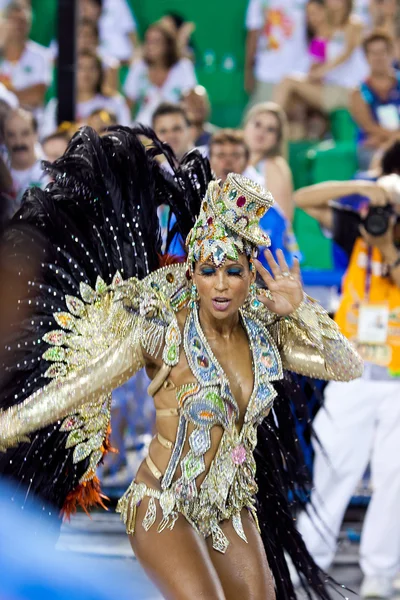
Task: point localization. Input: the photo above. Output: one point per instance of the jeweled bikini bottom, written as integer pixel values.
(127, 507)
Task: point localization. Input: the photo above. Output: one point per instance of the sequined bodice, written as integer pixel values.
(207, 402)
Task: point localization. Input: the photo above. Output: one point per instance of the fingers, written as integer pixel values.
(273, 265)
(362, 230)
(265, 275)
(279, 269)
(295, 270)
(282, 262)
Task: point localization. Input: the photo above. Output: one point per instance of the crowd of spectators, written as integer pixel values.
(303, 60)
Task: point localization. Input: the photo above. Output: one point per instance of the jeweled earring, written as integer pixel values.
(194, 296)
(254, 301)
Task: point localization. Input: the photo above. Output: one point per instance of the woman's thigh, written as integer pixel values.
(176, 560)
(308, 91)
(243, 570)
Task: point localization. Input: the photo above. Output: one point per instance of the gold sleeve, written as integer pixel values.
(63, 396)
(310, 343)
(101, 343)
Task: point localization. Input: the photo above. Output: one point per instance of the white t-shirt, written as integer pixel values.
(116, 104)
(22, 180)
(33, 68)
(115, 25)
(282, 46)
(148, 96)
(350, 73)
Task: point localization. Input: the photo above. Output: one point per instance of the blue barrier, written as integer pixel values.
(316, 277)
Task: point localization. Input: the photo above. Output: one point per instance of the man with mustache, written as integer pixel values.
(20, 137)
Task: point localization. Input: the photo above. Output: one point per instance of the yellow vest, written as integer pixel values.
(381, 291)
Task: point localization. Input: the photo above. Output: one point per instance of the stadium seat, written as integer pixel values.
(299, 162)
(343, 128)
(330, 160)
(315, 248)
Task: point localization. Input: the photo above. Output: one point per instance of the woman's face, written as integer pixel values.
(86, 39)
(89, 9)
(87, 74)
(223, 290)
(154, 45)
(316, 14)
(19, 20)
(261, 132)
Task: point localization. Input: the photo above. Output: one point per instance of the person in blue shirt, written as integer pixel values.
(375, 104)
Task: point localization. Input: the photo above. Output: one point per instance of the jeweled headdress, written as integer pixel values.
(229, 221)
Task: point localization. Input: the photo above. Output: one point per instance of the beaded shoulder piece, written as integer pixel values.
(87, 328)
(92, 322)
(155, 301)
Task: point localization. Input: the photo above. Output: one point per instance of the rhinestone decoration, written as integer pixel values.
(88, 295)
(54, 354)
(75, 306)
(228, 222)
(172, 344)
(55, 338)
(101, 286)
(117, 279)
(176, 453)
(167, 504)
(71, 423)
(56, 371)
(83, 450)
(238, 455)
(200, 441)
(150, 516)
(238, 526)
(219, 539)
(206, 409)
(192, 466)
(74, 438)
(65, 320)
(88, 427)
(185, 391)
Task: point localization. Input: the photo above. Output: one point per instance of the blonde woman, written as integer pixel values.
(265, 134)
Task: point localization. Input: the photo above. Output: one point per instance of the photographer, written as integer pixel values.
(360, 423)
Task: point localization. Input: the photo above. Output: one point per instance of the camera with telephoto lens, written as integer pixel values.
(377, 220)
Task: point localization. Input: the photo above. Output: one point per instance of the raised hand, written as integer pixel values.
(284, 285)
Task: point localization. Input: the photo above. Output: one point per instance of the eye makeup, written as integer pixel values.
(235, 271)
(207, 271)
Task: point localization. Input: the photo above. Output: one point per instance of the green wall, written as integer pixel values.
(219, 42)
(44, 21)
